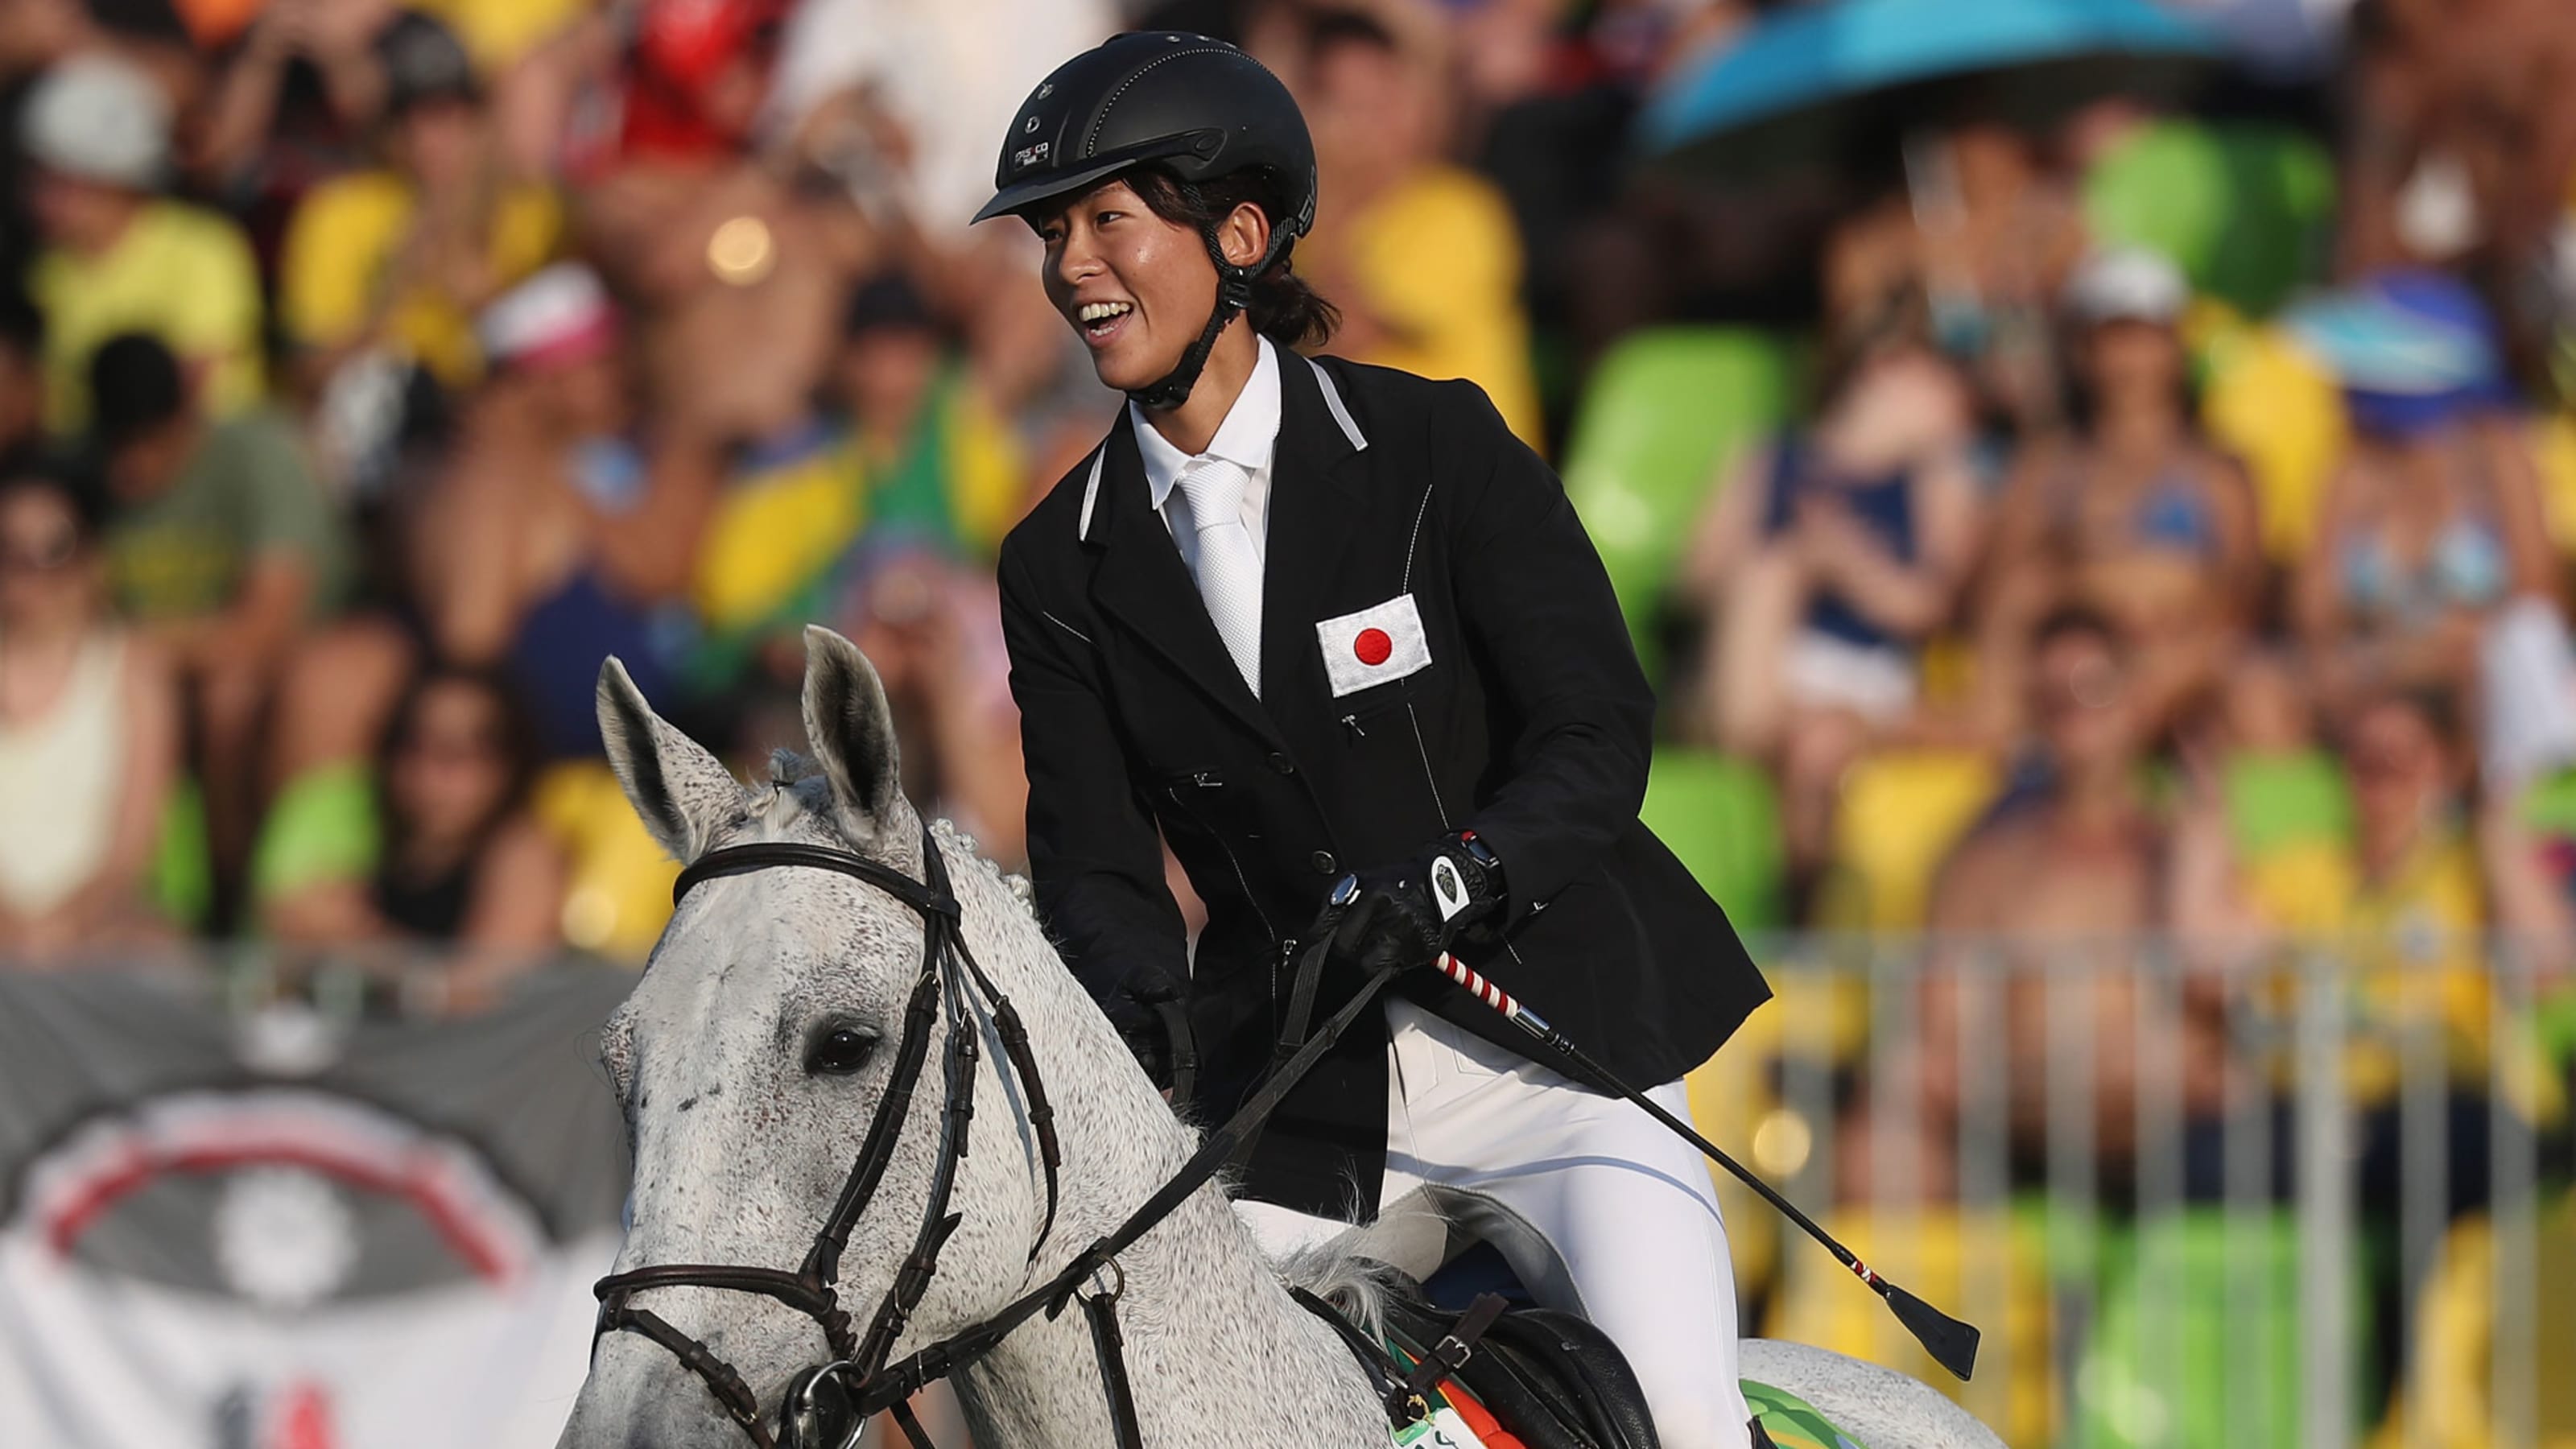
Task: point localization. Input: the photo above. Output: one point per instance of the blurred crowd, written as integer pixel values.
(2136, 515)
(2160, 526)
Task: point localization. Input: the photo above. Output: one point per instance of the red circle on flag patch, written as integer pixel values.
(1373, 647)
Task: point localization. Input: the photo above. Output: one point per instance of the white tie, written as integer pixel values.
(1229, 571)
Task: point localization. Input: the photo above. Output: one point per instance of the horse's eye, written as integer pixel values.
(839, 1052)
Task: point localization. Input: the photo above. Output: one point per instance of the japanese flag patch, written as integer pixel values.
(1374, 646)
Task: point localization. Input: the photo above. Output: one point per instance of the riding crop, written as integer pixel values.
(1951, 1343)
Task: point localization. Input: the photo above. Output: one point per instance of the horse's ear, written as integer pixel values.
(678, 789)
(852, 732)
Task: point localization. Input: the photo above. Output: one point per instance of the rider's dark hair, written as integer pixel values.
(1284, 308)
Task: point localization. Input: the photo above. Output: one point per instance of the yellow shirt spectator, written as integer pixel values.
(2415, 944)
(339, 284)
(178, 272)
(1437, 261)
(793, 512)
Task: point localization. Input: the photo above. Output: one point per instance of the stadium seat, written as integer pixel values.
(2246, 210)
(1900, 814)
(2195, 1339)
(1660, 415)
(1720, 815)
(2276, 408)
(618, 895)
(2448, 1400)
(180, 879)
(2278, 801)
(2554, 442)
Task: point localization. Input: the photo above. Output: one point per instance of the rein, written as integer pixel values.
(827, 1406)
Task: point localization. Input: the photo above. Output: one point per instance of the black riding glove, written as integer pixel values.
(1407, 914)
(1142, 1010)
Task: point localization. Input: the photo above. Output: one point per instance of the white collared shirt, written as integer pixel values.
(1247, 438)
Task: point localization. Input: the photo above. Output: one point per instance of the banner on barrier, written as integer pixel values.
(273, 1232)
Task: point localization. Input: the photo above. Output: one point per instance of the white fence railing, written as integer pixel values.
(2195, 1197)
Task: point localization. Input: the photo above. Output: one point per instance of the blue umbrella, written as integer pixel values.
(1812, 56)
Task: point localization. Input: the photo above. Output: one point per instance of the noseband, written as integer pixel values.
(949, 974)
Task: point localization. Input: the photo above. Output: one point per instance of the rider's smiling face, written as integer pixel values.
(1135, 287)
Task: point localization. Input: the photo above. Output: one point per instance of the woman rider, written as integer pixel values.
(1296, 615)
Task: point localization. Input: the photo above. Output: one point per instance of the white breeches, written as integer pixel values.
(1626, 1204)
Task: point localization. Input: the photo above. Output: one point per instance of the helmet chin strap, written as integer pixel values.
(1233, 295)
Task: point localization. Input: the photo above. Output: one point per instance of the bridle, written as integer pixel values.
(827, 1406)
(949, 974)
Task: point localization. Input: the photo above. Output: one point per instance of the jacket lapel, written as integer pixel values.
(1315, 495)
(1145, 586)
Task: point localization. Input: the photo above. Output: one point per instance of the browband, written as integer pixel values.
(737, 859)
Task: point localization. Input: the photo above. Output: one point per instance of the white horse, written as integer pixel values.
(753, 1055)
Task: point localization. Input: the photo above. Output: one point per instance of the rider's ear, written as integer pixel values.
(852, 732)
(683, 795)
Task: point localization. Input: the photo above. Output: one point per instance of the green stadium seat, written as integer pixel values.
(2246, 210)
(180, 878)
(1720, 815)
(2195, 1342)
(2275, 801)
(2549, 805)
(1661, 413)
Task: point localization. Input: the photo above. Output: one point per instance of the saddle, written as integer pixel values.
(1547, 1377)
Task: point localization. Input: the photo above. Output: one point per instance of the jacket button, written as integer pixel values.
(1280, 763)
(1322, 861)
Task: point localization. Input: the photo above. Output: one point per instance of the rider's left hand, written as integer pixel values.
(1399, 920)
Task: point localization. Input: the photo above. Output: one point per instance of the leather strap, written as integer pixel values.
(1183, 1042)
(1454, 1349)
(1110, 1347)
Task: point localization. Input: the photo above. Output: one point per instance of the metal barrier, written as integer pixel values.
(2195, 1196)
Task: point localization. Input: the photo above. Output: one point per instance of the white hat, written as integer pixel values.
(557, 314)
(2127, 284)
(101, 118)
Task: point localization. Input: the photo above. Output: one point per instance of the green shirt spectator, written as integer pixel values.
(245, 492)
(210, 518)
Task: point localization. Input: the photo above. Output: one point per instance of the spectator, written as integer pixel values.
(398, 260)
(304, 77)
(2427, 875)
(436, 848)
(1828, 559)
(2132, 513)
(562, 525)
(2429, 883)
(221, 546)
(2433, 521)
(89, 730)
(2062, 878)
(1420, 255)
(119, 259)
(914, 453)
(737, 270)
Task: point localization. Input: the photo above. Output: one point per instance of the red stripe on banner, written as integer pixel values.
(74, 1217)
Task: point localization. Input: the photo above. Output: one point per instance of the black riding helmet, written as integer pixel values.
(1197, 107)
